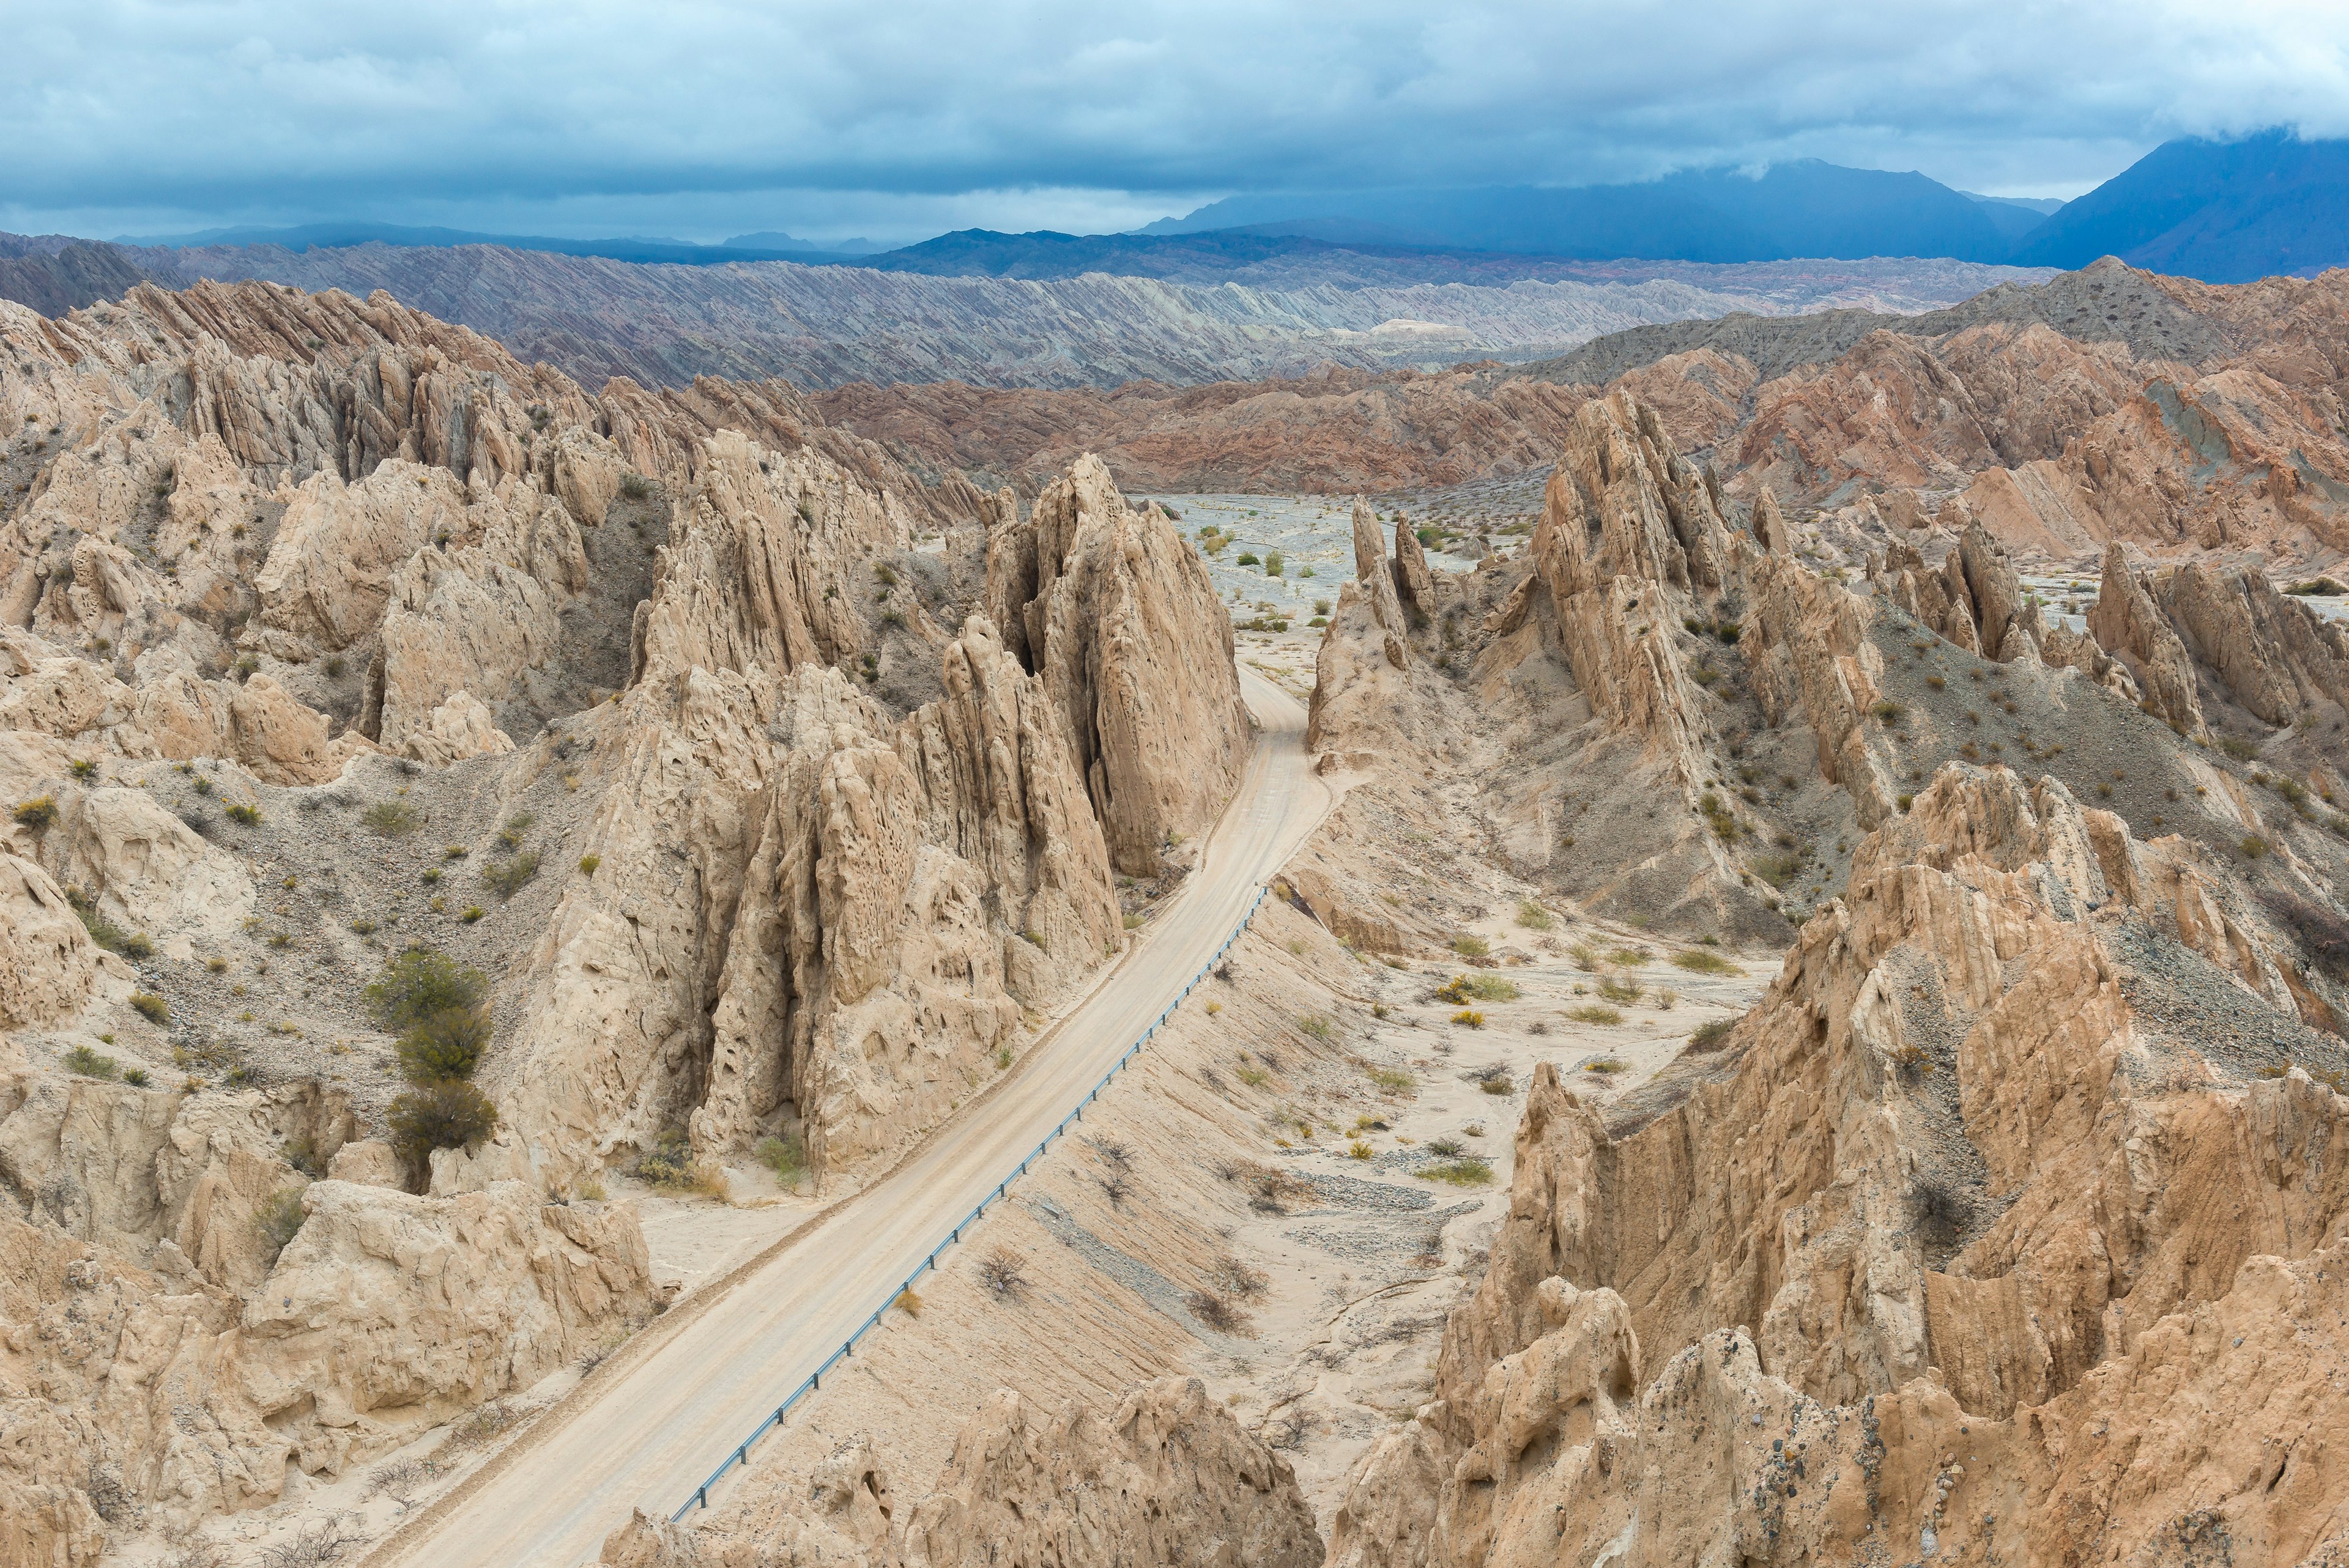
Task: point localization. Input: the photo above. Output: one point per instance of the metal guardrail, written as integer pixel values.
(815, 1380)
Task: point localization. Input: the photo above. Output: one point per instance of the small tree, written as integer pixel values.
(419, 985)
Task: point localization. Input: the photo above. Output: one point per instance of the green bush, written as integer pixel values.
(1273, 564)
(391, 818)
(1468, 1170)
(519, 823)
(1594, 1013)
(279, 1219)
(37, 813)
(450, 1114)
(1697, 961)
(91, 1064)
(248, 816)
(587, 864)
(1710, 1034)
(419, 985)
(447, 1045)
(1246, 557)
(151, 1007)
(1491, 988)
(1533, 916)
(1471, 946)
(507, 878)
(786, 1157)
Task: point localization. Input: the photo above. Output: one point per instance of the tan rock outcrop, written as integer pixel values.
(2126, 624)
(1166, 1476)
(48, 966)
(2273, 656)
(1778, 1312)
(1115, 610)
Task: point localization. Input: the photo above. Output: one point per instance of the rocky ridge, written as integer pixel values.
(840, 842)
(1950, 1255)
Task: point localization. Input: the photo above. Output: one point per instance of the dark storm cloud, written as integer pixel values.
(265, 105)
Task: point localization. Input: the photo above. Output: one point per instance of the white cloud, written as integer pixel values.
(710, 117)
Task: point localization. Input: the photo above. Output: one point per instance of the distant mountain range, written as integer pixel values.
(760, 247)
(2221, 212)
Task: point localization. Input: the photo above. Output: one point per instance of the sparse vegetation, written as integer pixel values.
(1620, 990)
(1533, 916)
(587, 864)
(447, 1045)
(1393, 1080)
(243, 815)
(671, 1167)
(88, 1063)
(450, 1114)
(1470, 946)
(277, 1220)
(508, 877)
(1594, 1013)
(1465, 1170)
(1469, 1019)
(786, 1157)
(39, 814)
(390, 818)
(420, 983)
(1710, 1034)
(1697, 961)
(1004, 1273)
(151, 1007)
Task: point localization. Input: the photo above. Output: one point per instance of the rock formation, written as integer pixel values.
(2127, 624)
(1113, 610)
(1166, 1476)
(1923, 1253)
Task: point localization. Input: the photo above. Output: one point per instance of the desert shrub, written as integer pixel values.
(1586, 957)
(1469, 1019)
(2324, 933)
(277, 1219)
(450, 1114)
(1234, 1277)
(1273, 564)
(91, 1064)
(670, 1166)
(786, 1157)
(634, 487)
(85, 768)
(447, 1045)
(1316, 1026)
(390, 818)
(519, 823)
(109, 936)
(1607, 1067)
(1393, 1080)
(1912, 1058)
(1710, 1034)
(2324, 585)
(1467, 1171)
(2236, 747)
(1887, 711)
(1618, 990)
(508, 877)
(1255, 1078)
(1004, 1273)
(1697, 961)
(243, 815)
(135, 1076)
(1216, 1312)
(2253, 847)
(1594, 1013)
(1358, 1149)
(587, 864)
(1498, 1083)
(1492, 988)
(473, 911)
(1629, 957)
(151, 1007)
(37, 813)
(420, 983)
(1533, 916)
(1471, 946)
(1246, 557)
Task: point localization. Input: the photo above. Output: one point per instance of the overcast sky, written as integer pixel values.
(899, 119)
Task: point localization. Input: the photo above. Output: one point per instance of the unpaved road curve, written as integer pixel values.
(667, 1421)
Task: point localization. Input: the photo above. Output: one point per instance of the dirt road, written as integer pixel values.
(662, 1425)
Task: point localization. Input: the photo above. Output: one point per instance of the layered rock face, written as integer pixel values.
(166, 1361)
(1944, 1251)
(1114, 611)
(1165, 1477)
